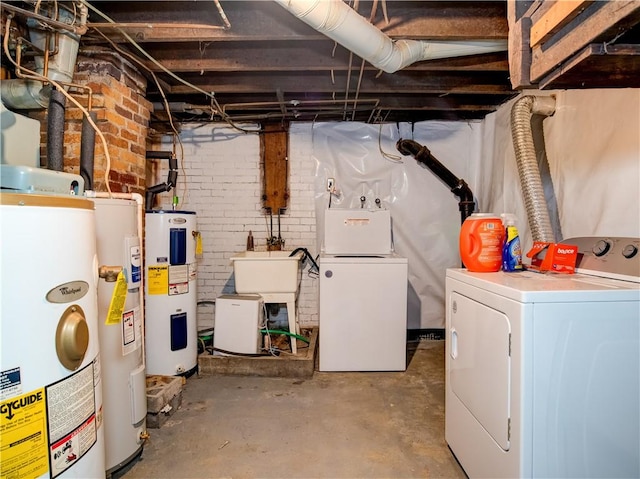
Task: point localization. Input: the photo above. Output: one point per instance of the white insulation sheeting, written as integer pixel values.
(425, 214)
(592, 143)
(593, 149)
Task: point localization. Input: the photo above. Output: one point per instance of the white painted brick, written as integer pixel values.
(223, 174)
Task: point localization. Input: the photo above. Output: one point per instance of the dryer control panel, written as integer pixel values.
(608, 257)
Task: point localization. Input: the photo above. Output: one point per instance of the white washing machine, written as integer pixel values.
(542, 370)
(363, 294)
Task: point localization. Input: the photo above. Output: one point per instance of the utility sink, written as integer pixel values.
(266, 271)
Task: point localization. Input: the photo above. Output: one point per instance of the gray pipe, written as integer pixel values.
(55, 130)
(528, 170)
(87, 150)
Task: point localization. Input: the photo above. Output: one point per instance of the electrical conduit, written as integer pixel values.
(338, 21)
(528, 169)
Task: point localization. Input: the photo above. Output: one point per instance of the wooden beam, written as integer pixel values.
(519, 51)
(400, 82)
(561, 13)
(263, 21)
(596, 20)
(295, 56)
(598, 66)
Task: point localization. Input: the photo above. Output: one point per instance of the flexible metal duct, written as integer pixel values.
(528, 169)
(341, 23)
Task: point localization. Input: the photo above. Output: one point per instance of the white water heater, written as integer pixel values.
(51, 411)
(171, 337)
(121, 332)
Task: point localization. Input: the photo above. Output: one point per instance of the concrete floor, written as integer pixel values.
(334, 425)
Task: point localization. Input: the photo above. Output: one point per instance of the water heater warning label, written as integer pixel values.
(23, 436)
(158, 279)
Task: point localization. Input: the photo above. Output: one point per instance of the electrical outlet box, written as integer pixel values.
(330, 184)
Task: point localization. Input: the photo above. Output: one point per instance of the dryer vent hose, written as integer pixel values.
(528, 169)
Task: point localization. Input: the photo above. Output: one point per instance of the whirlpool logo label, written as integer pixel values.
(68, 292)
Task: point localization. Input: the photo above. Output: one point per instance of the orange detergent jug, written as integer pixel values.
(481, 240)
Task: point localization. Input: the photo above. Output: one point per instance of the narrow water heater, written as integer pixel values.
(121, 331)
(51, 421)
(171, 339)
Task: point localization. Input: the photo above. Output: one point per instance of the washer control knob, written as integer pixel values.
(601, 248)
(630, 251)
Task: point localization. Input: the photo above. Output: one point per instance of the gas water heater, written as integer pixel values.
(121, 331)
(51, 409)
(171, 338)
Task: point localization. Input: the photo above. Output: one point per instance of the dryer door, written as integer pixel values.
(480, 364)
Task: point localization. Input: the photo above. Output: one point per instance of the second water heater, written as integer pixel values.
(171, 339)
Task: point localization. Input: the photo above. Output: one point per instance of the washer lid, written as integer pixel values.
(361, 259)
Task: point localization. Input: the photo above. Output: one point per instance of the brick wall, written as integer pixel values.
(220, 179)
(122, 116)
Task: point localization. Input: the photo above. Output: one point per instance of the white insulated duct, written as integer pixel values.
(527, 163)
(341, 23)
(30, 94)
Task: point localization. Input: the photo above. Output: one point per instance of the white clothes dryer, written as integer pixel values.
(543, 370)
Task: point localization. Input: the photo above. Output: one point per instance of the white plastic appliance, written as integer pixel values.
(237, 323)
(121, 332)
(543, 370)
(171, 336)
(363, 294)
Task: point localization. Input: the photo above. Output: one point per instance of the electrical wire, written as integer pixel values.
(210, 95)
(385, 155)
(176, 134)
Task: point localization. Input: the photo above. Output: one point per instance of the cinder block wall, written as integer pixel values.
(220, 179)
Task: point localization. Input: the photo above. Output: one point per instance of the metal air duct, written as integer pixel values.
(341, 23)
(29, 94)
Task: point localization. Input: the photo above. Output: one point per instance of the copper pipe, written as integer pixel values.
(81, 30)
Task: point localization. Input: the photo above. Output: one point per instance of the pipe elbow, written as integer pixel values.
(409, 147)
(462, 191)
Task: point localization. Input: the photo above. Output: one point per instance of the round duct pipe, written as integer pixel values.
(528, 169)
(341, 23)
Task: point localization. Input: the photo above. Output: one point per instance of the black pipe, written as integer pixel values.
(159, 155)
(55, 130)
(172, 177)
(457, 186)
(87, 150)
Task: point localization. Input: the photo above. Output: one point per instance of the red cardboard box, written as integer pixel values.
(555, 257)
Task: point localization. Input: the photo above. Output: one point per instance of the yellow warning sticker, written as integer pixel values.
(158, 279)
(198, 242)
(23, 436)
(118, 298)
